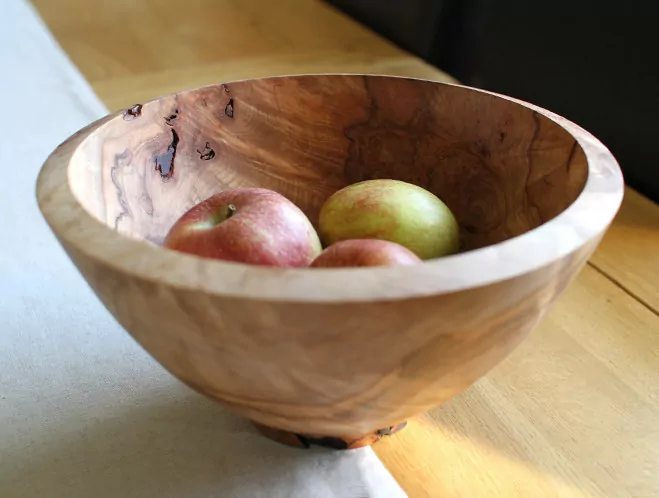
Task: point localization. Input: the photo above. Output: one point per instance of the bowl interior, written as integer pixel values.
(502, 168)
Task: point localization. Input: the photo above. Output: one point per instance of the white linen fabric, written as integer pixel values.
(84, 411)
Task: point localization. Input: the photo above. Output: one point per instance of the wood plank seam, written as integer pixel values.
(625, 289)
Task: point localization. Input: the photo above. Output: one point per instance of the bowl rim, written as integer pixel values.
(582, 222)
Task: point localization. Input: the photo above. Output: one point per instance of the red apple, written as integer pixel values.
(365, 252)
(247, 225)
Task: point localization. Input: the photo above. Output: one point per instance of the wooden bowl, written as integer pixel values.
(340, 356)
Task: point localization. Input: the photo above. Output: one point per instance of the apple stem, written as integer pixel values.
(231, 210)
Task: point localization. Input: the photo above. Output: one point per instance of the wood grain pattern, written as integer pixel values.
(306, 137)
(299, 350)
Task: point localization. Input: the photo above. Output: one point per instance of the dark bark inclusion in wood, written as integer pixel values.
(171, 117)
(165, 161)
(207, 153)
(133, 112)
(228, 110)
(337, 443)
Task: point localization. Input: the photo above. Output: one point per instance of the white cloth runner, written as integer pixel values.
(84, 412)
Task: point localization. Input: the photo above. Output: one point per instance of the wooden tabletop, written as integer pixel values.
(574, 411)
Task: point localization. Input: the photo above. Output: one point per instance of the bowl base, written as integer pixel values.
(333, 442)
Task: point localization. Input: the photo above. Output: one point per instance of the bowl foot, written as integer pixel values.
(334, 442)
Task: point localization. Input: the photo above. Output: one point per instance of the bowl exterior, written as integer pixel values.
(340, 352)
(339, 369)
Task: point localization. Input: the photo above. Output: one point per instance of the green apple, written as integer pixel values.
(390, 210)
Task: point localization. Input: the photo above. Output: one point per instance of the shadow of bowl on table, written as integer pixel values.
(174, 447)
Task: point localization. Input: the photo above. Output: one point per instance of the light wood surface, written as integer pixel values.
(573, 411)
(125, 38)
(132, 51)
(629, 253)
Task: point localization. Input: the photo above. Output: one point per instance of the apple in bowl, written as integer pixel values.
(247, 225)
(391, 210)
(365, 252)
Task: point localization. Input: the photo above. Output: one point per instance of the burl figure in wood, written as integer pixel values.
(337, 356)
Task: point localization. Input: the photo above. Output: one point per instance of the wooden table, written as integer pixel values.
(575, 410)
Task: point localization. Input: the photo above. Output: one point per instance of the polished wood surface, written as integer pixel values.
(540, 423)
(286, 348)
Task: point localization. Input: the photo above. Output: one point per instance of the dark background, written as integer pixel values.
(594, 62)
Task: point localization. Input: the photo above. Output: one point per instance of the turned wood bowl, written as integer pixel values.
(336, 356)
